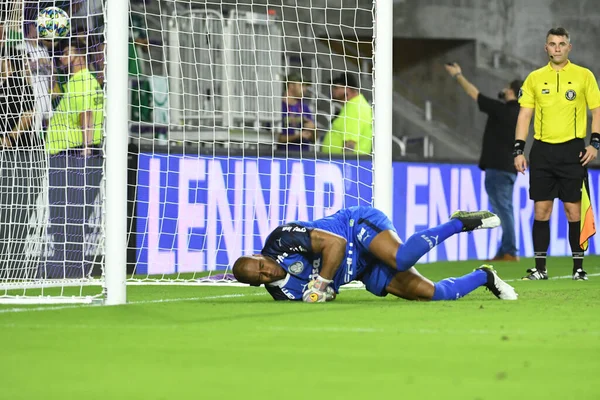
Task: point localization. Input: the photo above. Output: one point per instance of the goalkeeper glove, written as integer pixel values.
(318, 291)
(314, 296)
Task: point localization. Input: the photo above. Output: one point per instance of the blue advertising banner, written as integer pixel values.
(425, 194)
(200, 213)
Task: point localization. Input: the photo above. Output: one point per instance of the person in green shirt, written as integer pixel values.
(75, 164)
(77, 120)
(352, 129)
(141, 90)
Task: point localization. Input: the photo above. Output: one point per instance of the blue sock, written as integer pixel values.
(455, 288)
(421, 242)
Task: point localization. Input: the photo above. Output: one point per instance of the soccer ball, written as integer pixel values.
(52, 22)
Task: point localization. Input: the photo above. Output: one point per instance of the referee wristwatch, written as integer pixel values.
(595, 141)
(519, 148)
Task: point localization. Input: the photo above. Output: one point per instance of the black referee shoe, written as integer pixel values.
(535, 275)
(472, 220)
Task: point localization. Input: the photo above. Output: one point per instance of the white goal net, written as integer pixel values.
(51, 172)
(242, 115)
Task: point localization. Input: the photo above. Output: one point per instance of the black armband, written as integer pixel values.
(519, 148)
(595, 140)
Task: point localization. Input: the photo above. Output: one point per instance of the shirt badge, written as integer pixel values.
(545, 91)
(570, 95)
(296, 268)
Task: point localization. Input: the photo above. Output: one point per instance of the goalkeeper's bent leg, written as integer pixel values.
(421, 242)
(455, 288)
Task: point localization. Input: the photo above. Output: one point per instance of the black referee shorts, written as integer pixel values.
(555, 170)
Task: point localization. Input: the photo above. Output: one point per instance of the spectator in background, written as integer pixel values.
(17, 100)
(496, 154)
(138, 37)
(21, 164)
(2, 19)
(87, 24)
(298, 131)
(141, 90)
(40, 70)
(75, 166)
(87, 19)
(352, 129)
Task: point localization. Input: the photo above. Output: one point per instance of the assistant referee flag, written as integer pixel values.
(588, 225)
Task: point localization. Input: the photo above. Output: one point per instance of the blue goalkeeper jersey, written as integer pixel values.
(290, 246)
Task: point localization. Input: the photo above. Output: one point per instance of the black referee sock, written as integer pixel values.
(576, 250)
(541, 241)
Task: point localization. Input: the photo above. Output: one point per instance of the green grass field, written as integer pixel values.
(236, 343)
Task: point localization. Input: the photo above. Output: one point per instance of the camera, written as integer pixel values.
(501, 95)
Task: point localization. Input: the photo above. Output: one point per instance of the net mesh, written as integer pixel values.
(232, 128)
(242, 115)
(51, 183)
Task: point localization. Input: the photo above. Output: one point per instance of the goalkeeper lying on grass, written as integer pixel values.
(311, 260)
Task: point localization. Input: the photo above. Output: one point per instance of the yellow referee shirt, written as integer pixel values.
(560, 99)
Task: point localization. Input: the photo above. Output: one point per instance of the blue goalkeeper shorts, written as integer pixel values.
(377, 277)
(368, 222)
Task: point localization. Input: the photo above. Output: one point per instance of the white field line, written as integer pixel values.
(176, 300)
(421, 331)
(550, 278)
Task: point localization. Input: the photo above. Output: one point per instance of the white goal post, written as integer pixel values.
(117, 140)
(218, 125)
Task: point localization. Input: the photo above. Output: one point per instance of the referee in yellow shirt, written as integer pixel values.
(560, 94)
